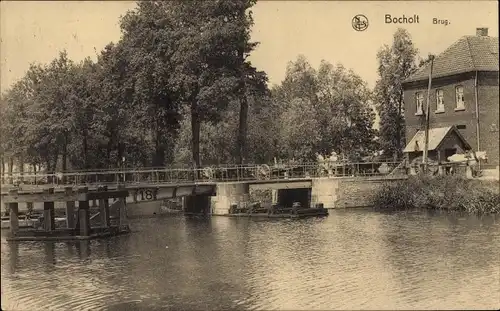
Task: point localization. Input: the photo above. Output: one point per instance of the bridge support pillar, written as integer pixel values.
(83, 225)
(104, 209)
(122, 209)
(227, 194)
(48, 213)
(274, 196)
(70, 209)
(13, 217)
(326, 191)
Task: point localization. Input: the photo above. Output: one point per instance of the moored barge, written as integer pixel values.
(255, 210)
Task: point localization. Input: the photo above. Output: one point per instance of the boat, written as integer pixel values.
(255, 210)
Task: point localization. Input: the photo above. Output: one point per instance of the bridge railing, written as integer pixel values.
(208, 174)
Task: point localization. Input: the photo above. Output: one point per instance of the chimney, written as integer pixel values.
(482, 32)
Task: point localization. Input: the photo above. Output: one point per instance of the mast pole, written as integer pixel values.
(427, 114)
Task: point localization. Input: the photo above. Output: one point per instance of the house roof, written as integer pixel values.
(468, 54)
(436, 136)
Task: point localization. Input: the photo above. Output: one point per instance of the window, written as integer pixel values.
(439, 101)
(459, 94)
(461, 127)
(420, 103)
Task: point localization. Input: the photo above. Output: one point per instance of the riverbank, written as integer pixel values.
(443, 192)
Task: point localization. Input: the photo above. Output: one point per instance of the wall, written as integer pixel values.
(227, 194)
(347, 192)
(488, 94)
(142, 209)
(488, 98)
(450, 116)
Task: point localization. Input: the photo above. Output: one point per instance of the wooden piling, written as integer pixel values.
(13, 213)
(122, 212)
(70, 209)
(104, 208)
(83, 214)
(48, 212)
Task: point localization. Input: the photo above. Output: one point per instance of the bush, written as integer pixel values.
(443, 192)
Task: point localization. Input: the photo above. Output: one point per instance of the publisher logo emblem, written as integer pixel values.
(359, 22)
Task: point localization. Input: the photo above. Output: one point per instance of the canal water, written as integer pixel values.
(354, 259)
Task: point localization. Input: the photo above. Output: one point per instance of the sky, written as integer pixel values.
(320, 30)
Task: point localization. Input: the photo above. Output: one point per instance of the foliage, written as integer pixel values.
(324, 111)
(396, 64)
(444, 192)
(178, 88)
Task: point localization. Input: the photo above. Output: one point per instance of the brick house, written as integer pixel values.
(464, 100)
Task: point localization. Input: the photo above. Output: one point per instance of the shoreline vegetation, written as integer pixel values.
(451, 193)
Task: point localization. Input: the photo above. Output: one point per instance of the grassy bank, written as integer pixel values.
(444, 192)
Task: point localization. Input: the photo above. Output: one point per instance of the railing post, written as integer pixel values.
(70, 209)
(104, 208)
(83, 214)
(48, 212)
(13, 213)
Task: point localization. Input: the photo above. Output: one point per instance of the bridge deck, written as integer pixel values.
(164, 177)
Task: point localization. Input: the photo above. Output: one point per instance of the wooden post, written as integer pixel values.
(104, 208)
(13, 213)
(70, 209)
(83, 215)
(122, 212)
(48, 213)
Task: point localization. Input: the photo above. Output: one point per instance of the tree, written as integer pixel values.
(209, 62)
(150, 37)
(331, 105)
(396, 63)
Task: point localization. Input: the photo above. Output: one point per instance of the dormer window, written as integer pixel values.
(439, 101)
(419, 98)
(459, 98)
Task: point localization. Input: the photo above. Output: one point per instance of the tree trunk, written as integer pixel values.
(65, 156)
(108, 152)
(85, 150)
(34, 173)
(243, 125)
(242, 131)
(3, 169)
(159, 156)
(11, 167)
(21, 168)
(48, 170)
(195, 132)
(399, 126)
(54, 166)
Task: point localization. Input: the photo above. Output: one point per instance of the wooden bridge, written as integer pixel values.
(210, 190)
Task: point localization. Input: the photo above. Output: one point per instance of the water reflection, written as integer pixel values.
(50, 256)
(427, 251)
(83, 249)
(13, 257)
(354, 259)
